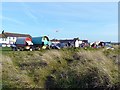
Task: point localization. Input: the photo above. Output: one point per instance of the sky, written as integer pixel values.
(62, 20)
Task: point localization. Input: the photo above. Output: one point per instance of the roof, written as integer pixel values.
(2, 36)
(54, 40)
(67, 40)
(7, 34)
(86, 41)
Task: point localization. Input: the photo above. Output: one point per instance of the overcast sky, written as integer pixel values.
(86, 20)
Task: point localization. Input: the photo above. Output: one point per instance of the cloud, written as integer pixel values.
(29, 13)
(11, 20)
(75, 12)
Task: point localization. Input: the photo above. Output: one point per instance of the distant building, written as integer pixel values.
(55, 41)
(115, 43)
(70, 42)
(10, 38)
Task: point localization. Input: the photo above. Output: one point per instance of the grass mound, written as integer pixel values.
(67, 68)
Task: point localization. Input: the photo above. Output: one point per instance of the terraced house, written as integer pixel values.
(7, 38)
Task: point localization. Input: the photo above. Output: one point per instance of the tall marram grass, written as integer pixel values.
(67, 68)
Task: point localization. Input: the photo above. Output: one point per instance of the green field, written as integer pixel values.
(5, 49)
(65, 68)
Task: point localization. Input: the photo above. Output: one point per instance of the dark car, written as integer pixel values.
(0, 44)
(57, 46)
(54, 46)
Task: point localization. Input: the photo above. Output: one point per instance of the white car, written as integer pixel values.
(3, 45)
(110, 48)
(8, 45)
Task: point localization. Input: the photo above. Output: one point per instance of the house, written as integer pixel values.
(10, 38)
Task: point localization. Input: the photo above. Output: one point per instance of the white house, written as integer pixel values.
(7, 38)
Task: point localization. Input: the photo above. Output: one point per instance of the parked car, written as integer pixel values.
(4, 45)
(0, 44)
(108, 46)
(58, 45)
(8, 45)
(54, 46)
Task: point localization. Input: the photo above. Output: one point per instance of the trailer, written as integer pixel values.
(41, 42)
(22, 43)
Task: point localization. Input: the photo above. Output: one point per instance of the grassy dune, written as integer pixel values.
(66, 68)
